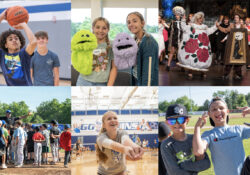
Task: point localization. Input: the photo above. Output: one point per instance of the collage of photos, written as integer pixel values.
(143, 87)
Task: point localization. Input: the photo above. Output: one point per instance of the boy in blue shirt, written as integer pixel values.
(14, 57)
(224, 141)
(45, 63)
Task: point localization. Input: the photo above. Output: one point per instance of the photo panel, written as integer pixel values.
(204, 43)
(44, 58)
(35, 130)
(195, 118)
(106, 121)
(116, 52)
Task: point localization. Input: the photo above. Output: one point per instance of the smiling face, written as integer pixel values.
(42, 41)
(101, 29)
(83, 40)
(13, 43)
(178, 128)
(110, 122)
(218, 112)
(135, 24)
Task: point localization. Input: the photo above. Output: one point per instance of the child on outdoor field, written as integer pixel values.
(38, 138)
(65, 143)
(104, 69)
(3, 143)
(113, 145)
(44, 63)
(30, 143)
(45, 144)
(54, 140)
(14, 57)
(223, 141)
(176, 150)
(19, 143)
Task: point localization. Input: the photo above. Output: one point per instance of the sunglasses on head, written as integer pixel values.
(180, 120)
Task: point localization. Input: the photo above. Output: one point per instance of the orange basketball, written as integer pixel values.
(16, 15)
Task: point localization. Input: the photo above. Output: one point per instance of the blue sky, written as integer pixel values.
(198, 93)
(33, 96)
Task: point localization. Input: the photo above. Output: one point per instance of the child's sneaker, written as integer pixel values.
(4, 166)
(18, 166)
(66, 166)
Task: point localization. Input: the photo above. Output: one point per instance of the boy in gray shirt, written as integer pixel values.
(176, 150)
(44, 64)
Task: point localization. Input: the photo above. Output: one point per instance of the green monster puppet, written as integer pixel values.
(82, 45)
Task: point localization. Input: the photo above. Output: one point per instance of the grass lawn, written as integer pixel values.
(232, 121)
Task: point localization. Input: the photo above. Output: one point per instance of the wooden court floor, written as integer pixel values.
(87, 165)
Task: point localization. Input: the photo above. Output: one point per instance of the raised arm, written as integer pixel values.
(32, 39)
(2, 16)
(199, 145)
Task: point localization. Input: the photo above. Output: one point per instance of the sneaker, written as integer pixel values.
(66, 166)
(18, 166)
(52, 163)
(39, 164)
(4, 166)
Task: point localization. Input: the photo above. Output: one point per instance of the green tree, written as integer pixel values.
(248, 99)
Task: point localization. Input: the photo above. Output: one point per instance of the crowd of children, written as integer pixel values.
(26, 143)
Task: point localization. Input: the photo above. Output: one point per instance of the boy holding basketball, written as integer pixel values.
(176, 150)
(14, 57)
(44, 64)
(224, 141)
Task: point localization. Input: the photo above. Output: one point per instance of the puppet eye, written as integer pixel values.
(119, 40)
(87, 35)
(82, 35)
(127, 38)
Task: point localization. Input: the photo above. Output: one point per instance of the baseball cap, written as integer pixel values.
(8, 111)
(66, 126)
(176, 110)
(54, 122)
(3, 122)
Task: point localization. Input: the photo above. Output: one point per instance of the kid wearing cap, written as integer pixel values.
(54, 139)
(45, 144)
(223, 141)
(38, 138)
(176, 150)
(65, 143)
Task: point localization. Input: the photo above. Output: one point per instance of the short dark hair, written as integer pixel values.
(7, 33)
(19, 122)
(41, 34)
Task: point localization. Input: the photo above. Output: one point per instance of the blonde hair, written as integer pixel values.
(107, 24)
(197, 16)
(101, 156)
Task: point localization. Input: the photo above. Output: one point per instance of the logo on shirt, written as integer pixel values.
(226, 138)
(13, 66)
(49, 61)
(116, 156)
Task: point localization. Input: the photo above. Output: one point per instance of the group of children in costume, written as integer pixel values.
(138, 55)
(21, 64)
(183, 153)
(190, 39)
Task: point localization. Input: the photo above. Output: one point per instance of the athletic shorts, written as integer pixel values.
(45, 149)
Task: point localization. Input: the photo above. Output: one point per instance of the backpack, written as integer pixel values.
(125, 51)
(82, 45)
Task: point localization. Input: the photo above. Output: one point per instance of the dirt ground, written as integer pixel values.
(30, 169)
